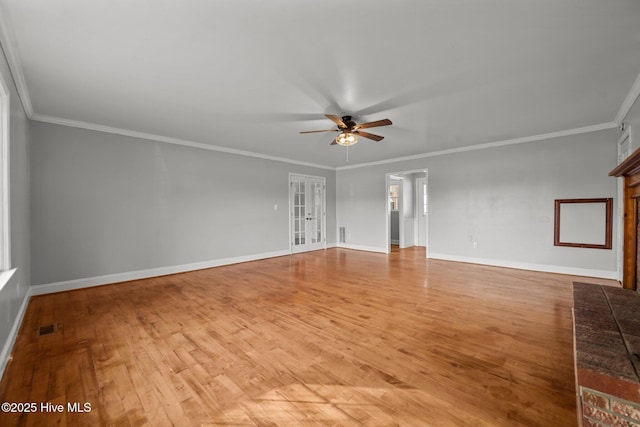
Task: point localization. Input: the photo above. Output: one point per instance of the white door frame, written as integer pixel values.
(324, 208)
(419, 212)
(394, 180)
(388, 208)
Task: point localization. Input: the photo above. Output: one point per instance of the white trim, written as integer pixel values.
(361, 248)
(7, 40)
(419, 210)
(5, 276)
(5, 177)
(169, 140)
(144, 274)
(211, 147)
(13, 334)
(573, 271)
(541, 137)
(628, 102)
(625, 135)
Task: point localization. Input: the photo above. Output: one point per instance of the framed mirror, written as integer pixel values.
(583, 223)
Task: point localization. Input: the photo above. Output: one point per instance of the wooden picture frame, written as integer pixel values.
(583, 223)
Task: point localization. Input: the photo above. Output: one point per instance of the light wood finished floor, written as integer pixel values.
(335, 337)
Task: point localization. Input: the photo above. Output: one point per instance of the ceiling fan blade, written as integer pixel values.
(316, 131)
(337, 120)
(333, 142)
(369, 135)
(384, 122)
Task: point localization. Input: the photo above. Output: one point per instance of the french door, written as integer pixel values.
(307, 213)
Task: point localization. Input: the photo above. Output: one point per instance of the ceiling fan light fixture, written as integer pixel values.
(346, 139)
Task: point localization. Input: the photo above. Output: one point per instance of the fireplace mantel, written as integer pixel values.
(629, 169)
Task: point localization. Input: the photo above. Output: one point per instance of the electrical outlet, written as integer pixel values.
(475, 245)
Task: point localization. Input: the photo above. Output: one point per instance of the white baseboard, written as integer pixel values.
(362, 248)
(13, 333)
(573, 271)
(395, 242)
(69, 285)
(162, 271)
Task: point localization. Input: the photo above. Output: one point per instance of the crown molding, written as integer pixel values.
(203, 146)
(541, 137)
(169, 140)
(8, 44)
(628, 102)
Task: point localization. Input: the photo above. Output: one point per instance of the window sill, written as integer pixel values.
(5, 276)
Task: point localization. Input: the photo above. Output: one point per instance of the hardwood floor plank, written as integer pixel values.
(335, 337)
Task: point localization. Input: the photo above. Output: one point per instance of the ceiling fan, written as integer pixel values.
(350, 130)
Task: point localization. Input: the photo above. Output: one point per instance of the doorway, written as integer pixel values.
(307, 213)
(407, 220)
(395, 196)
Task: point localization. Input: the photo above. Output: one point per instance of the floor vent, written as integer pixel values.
(46, 330)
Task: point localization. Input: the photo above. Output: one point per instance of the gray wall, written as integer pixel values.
(106, 204)
(502, 198)
(13, 294)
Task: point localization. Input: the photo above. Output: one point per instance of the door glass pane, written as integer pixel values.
(393, 196)
(307, 212)
(319, 230)
(298, 212)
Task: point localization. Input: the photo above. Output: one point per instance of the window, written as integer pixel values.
(393, 196)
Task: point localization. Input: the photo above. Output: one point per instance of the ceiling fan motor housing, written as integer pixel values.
(348, 120)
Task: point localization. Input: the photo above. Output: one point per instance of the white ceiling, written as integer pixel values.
(251, 74)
